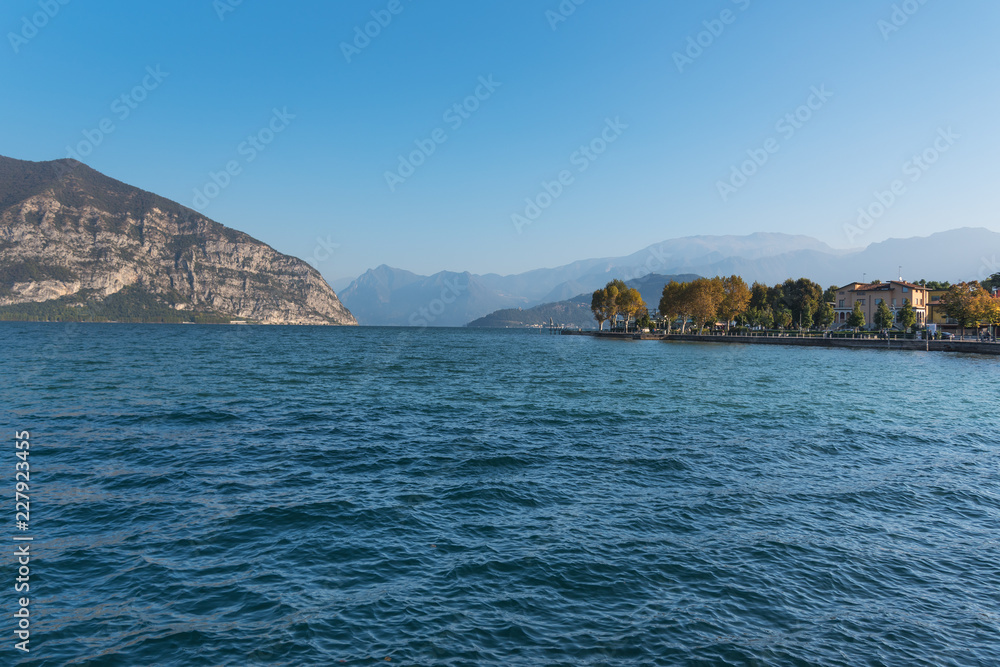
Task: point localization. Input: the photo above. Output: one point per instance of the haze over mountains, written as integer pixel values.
(74, 241)
(394, 297)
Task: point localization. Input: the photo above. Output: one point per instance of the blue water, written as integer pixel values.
(312, 496)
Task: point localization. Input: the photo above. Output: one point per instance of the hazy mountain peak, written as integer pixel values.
(768, 257)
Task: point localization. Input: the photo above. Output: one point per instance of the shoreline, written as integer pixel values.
(968, 347)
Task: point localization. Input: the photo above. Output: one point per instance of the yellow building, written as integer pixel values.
(936, 313)
(869, 295)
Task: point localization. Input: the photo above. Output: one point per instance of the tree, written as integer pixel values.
(768, 321)
(883, 316)
(598, 306)
(961, 303)
(992, 283)
(630, 303)
(807, 312)
(640, 309)
(611, 302)
(856, 320)
(783, 318)
(826, 315)
(993, 314)
(800, 296)
(759, 296)
(766, 317)
(760, 317)
(624, 302)
(735, 298)
(907, 316)
(615, 298)
(705, 297)
(669, 305)
(987, 308)
(830, 295)
(674, 303)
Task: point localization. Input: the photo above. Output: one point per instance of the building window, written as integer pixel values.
(893, 303)
(841, 303)
(878, 301)
(906, 289)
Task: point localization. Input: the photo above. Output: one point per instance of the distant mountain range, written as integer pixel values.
(394, 297)
(388, 296)
(573, 312)
(78, 245)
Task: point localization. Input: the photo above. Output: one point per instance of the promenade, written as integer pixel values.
(861, 341)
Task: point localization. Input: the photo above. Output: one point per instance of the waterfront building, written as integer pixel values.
(869, 295)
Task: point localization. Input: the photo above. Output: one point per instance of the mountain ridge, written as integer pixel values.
(71, 238)
(768, 257)
(574, 312)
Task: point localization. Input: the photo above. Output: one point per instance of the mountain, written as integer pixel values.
(683, 255)
(651, 287)
(574, 312)
(393, 297)
(969, 253)
(563, 313)
(75, 244)
(956, 255)
(340, 284)
(389, 296)
(959, 254)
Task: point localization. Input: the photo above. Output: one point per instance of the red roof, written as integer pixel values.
(886, 286)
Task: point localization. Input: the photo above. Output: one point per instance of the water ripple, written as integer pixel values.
(343, 496)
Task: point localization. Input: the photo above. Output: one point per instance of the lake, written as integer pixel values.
(207, 495)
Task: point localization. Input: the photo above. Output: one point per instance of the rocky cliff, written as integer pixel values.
(75, 241)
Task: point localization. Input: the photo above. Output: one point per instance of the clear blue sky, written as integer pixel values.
(323, 175)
